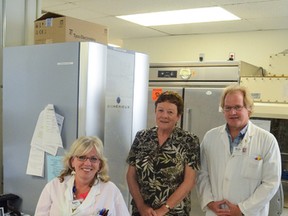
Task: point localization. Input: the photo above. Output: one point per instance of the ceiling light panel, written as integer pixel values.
(197, 15)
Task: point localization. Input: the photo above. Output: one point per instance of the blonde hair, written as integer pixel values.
(247, 98)
(81, 146)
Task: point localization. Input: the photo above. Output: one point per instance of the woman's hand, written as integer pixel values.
(161, 211)
(145, 210)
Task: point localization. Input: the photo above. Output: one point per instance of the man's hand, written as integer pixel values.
(219, 208)
(234, 209)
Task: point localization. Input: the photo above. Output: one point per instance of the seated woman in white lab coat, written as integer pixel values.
(83, 187)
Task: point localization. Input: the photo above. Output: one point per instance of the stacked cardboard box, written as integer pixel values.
(57, 28)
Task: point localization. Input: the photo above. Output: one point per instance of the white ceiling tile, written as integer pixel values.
(257, 15)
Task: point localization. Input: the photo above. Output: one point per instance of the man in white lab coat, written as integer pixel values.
(240, 162)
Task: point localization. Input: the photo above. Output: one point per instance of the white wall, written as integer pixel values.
(19, 22)
(1, 92)
(252, 47)
(16, 28)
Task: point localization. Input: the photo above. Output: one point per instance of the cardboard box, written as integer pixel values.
(57, 28)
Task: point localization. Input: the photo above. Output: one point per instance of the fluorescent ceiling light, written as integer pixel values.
(113, 45)
(197, 15)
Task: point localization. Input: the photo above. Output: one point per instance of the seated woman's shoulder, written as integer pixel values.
(110, 186)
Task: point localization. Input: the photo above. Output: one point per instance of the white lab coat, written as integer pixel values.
(249, 177)
(56, 200)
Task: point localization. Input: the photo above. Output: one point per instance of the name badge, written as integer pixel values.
(75, 204)
(237, 150)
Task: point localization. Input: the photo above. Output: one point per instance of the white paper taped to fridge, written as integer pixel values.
(47, 133)
(46, 138)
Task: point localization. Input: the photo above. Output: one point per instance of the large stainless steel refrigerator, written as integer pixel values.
(125, 110)
(200, 84)
(82, 80)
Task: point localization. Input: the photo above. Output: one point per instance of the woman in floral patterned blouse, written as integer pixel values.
(162, 163)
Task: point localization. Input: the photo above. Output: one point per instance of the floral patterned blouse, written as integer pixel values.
(160, 169)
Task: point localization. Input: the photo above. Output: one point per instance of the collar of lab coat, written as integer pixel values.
(246, 139)
(90, 199)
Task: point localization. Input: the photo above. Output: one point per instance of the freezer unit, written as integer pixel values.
(82, 80)
(201, 109)
(35, 76)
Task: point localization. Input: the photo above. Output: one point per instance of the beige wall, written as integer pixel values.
(252, 47)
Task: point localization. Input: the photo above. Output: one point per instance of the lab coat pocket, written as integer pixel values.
(252, 168)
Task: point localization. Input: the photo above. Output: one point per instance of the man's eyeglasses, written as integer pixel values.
(84, 158)
(229, 108)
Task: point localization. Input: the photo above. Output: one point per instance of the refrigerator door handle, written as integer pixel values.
(188, 119)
